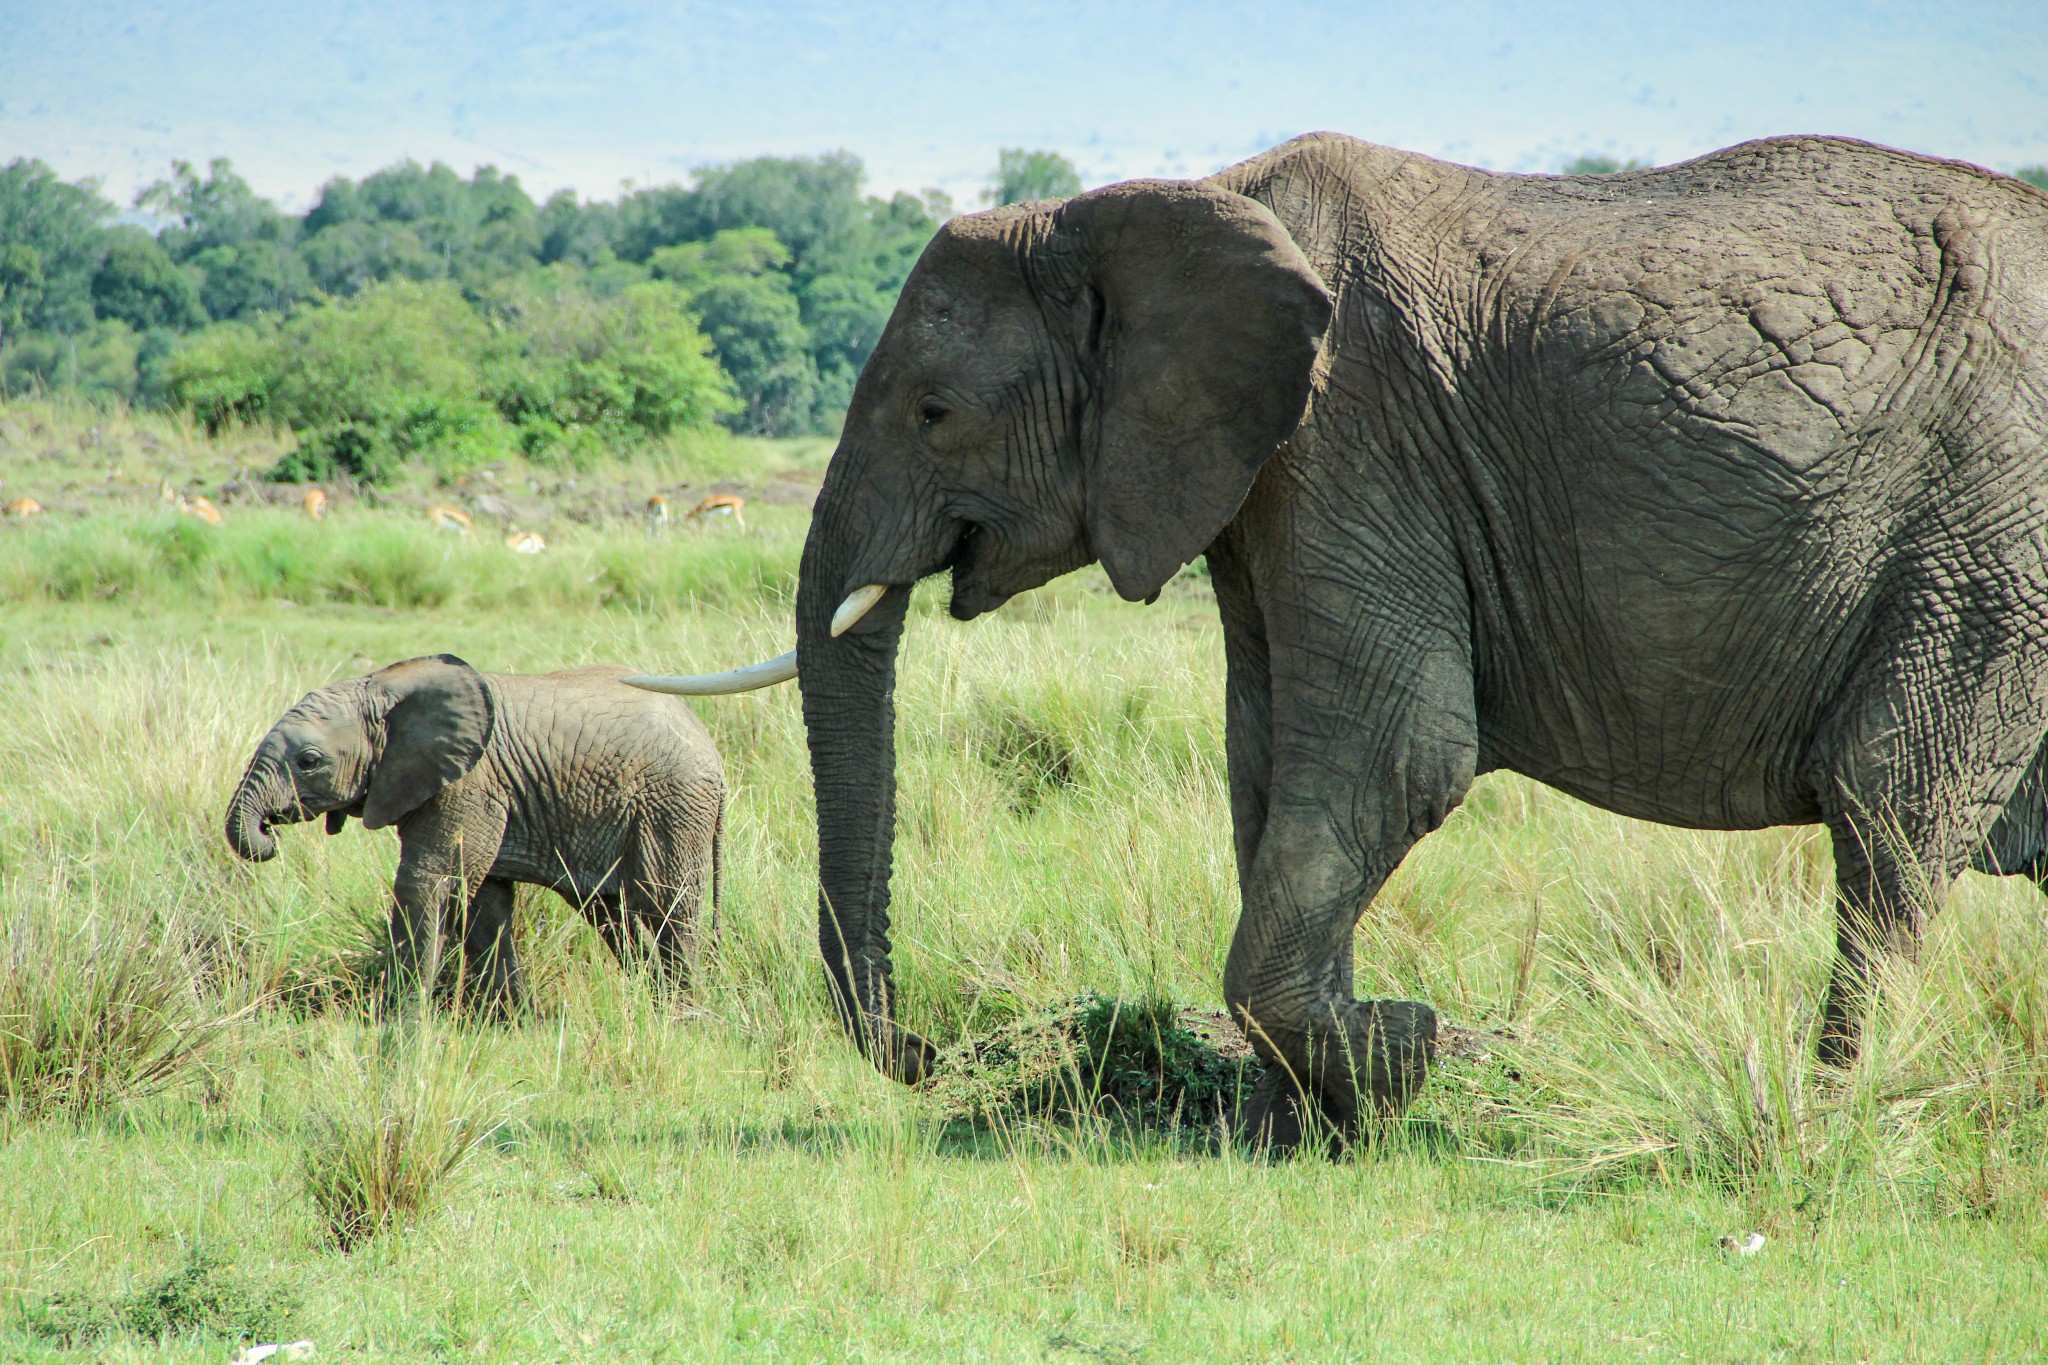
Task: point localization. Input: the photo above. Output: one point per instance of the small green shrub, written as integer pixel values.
(207, 1294)
(1034, 758)
(69, 1318)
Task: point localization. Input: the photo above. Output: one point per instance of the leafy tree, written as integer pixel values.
(845, 316)
(847, 257)
(902, 228)
(139, 284)
(578, 233)
(2037, 176)
(750, 310)
(219, 210)
(692, 266)
(757, 327)
(51, 241)
(813, 205)
(253, 277)
(347, 255)
(239, 242)
(645, 220)
(1022, 176)
(420, 222)
(21, 286)
(1593, 163)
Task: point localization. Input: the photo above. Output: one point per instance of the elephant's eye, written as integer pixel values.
(309, 760)
(931, 412)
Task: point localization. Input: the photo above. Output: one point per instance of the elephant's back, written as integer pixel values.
(1683, 412)
(587, 719)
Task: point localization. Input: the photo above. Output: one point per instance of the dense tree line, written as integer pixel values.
(432, 304)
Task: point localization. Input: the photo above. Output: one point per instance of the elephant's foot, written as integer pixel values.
(1391, 1044)
(1276, 1119)
(1396, 1039)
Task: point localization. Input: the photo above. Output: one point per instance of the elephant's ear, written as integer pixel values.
(1199, 323)
(437, 719)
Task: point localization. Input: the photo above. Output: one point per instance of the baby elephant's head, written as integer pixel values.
(379, 747)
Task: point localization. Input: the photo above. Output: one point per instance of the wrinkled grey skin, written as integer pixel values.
(1713, 495)
(611, 797)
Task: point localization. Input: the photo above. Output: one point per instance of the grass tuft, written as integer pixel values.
(398, 1121)
(96, 1005)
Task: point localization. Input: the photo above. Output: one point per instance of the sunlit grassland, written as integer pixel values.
(721, 1177)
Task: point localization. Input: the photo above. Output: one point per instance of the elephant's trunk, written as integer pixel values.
(250, 813)
(848, 686)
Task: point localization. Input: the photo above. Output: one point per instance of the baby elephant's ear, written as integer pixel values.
(437, 719)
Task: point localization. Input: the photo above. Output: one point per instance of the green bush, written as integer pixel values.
(99, 362)
(409, 375)
(404, 1115)
(223, 374)
(625, 368)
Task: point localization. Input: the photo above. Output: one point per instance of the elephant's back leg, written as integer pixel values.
(671, 870)
(607, 913)
(2018, 841)
(1925, 748)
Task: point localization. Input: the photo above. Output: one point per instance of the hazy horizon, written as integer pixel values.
(590, 95)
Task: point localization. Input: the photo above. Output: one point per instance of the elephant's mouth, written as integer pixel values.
(973, 594)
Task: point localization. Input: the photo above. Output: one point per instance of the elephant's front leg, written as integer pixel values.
(445, 855)
(1365, 761)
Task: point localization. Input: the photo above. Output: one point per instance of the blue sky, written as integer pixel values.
(587, 94)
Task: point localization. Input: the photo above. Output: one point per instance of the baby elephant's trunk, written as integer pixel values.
(249, 816)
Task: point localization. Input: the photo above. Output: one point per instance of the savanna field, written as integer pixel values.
(210, 1137)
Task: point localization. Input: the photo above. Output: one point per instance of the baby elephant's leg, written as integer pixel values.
(671, 920)
(607, 913)
(492, 971)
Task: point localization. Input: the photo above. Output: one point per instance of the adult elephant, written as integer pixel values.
(1712, 495)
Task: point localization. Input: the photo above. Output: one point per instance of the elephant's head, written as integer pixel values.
(378, 747)
(1060, 383)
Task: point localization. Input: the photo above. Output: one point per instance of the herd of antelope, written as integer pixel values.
(314, 504)
(717, 505)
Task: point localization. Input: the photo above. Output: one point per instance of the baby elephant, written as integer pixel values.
(612, 797)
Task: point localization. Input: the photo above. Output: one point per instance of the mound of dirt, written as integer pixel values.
(1145, 1064)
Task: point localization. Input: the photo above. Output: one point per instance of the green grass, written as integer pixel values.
(718, 1175)
(396, 561)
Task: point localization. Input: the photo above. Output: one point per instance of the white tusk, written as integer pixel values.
(780, 669)
(765, 674)
(858, 603)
